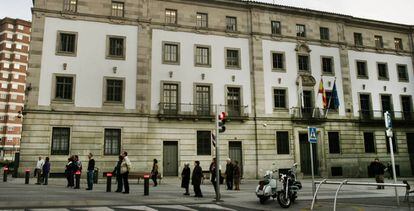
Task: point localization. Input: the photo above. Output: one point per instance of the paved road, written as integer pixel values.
(168, 196)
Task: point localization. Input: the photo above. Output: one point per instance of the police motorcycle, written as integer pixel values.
(267, 187)
(290, 187)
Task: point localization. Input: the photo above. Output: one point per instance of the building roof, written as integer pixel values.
(15, 21)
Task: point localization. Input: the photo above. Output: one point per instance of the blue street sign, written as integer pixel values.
(388, 120)
(312, 135)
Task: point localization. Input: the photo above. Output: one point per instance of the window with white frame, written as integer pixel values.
(10, 26)
(117, 9)
(9, 128)
(4, 85)
(9, 36)
(8, 45)
(18, 46)
(7, 55)
(19, 36)
(17, 56)
(20, 27)
(202, 55)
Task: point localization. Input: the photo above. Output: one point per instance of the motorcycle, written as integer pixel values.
(290, 187)
(267, 187)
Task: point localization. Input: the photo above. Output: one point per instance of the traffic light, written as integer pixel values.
(222, 121)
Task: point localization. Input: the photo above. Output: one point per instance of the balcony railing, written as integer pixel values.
(307, 113)
(199, 111)
(376, 115)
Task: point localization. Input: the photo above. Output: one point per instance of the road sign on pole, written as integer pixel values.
(388, 126)
(312, 135)
(312, 138)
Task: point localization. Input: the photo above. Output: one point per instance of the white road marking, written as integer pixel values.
(141, 208)
(175, 207)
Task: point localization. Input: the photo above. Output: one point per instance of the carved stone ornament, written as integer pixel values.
(307, 79)
(302, 47)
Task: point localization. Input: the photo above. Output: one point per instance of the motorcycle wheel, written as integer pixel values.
(263, 199)
(283, 202)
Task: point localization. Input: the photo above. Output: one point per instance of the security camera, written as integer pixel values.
(264, 125)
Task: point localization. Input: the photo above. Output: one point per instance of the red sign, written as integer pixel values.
(109, 174)
(77, 172)
(27, 170)
(5, 168)
(146, 176)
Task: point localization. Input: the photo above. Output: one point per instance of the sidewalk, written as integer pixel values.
(15, 194)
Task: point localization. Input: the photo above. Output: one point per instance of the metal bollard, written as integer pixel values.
(77, 178)
(6, 170)
(108, 182)
(95, 176)
(27, 176)
(146, 184)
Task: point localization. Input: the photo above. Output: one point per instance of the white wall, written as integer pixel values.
(90, 64)
(288, 78)
(187, 73)
(376, 87)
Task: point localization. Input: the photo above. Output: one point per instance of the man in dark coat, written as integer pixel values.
(45, 171)
(229, 174)
(196, 179)
(377, 169)
(185, 178)
(212, 169)
(91, 168)
(117, 173)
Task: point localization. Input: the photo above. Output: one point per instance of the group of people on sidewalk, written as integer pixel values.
(74, 168)
(232, 174)
(379, 169)
(42, 171)
(121, 172)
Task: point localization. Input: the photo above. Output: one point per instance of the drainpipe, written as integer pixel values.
(254, 91)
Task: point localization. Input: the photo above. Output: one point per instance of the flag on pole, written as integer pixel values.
(213, 139)
(335, 96)
(322, 91)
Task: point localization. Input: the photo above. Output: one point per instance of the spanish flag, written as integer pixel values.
(322, 91)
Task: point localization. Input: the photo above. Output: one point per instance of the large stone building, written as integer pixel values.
(144, 76)
(14, 54)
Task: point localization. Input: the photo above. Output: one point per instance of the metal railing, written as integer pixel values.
(199, 110)
(346, 182)
(379, 115)
(307, 113)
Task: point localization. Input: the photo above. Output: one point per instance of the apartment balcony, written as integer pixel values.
(183, 111)
(308, 114)
(399, 118)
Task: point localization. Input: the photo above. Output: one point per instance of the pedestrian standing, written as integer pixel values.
(77, 168)
(78, 163)
(196, 179)
(117, 173)
(45, 171)
(236, 175)
(91, 168)
(72, 169)
(38, 169)
(377, 169)
(389, 170)
(229, 174)
(154, 172)
(185, 178)
(125, 169)
(212, 169)
(68, 173)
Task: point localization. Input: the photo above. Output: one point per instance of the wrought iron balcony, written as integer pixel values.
(376, 115)
(199, 111)
(307, 114)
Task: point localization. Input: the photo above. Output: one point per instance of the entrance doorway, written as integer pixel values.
(235, 153)
(170, 158)
(305, 162)
(410, 146)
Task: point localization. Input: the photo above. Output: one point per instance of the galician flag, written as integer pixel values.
(322, 91)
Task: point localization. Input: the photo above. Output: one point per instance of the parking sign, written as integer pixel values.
(312, 135)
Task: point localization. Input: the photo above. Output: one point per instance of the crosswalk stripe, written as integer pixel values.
(141, 208)
(211, 206)
(175, 207)
(94, 208)
(50, 209)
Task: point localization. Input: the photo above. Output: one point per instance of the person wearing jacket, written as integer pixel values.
(236, 175)
(45, 171)
(377, 169)
(117, 173)
(196, 179)
(38, 169)
(185, 178)
(212, 169)
(229, 174)
(91, 168)
(154, 172)
(68, 173)
(125, 169)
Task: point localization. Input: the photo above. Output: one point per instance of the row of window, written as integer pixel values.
(18, 36)
(303, 61)
(382, 68)
(64, 89)
(67, 45)
(16, 66)
(15, 55)
(112, 142)
(6, 75)
(11, 118)
(117, 7)
(19, 27)
(386, 105)
(379, 43)
(17, 46)
(12, 96)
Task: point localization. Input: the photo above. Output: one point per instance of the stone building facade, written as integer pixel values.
(14, 54)
(145, 76)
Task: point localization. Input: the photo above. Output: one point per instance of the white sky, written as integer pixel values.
(398, 11)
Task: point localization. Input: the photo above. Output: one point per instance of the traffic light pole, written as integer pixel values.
(217, 157)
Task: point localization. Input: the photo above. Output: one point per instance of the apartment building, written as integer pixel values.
(14, 53)
(149, 77)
